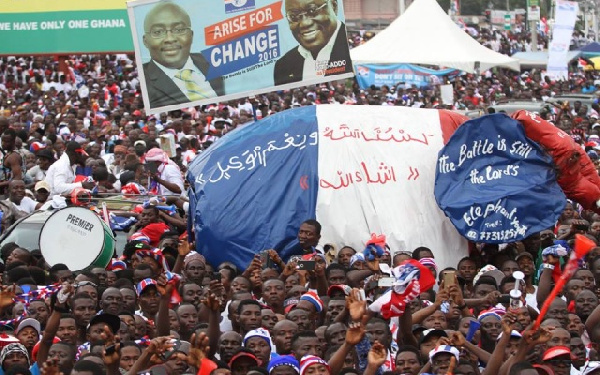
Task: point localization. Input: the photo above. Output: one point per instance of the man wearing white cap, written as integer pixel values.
(441, 357)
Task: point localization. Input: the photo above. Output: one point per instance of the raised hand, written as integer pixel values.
(212, 301)
(290, 269)
(50, 367)
(508, 321)
(256, 263)
(275, 257)
(184, 248)
(354, 333)
(456, 294)
(377, 355)
(457, 339)
(7, 295)
(443, 341)
(356, 307)
(443, 295)
(537, 337)
(157, 348)
(161, 285)
(110, 353)
(199, 349)
(492, 298)
(373, 265)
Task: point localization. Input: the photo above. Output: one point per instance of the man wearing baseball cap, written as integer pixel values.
(28, 333)
(428, 340)
(558, 358)
(148, 297)
(441, 357)
(242, 361)
(45, 158)
(41, 191)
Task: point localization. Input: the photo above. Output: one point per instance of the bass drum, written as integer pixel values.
(78, 238)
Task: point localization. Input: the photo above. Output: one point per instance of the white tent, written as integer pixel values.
(424, 34)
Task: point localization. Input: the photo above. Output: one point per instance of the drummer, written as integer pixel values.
(61, 174)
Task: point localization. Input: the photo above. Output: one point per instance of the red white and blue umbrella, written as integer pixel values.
(357, 169)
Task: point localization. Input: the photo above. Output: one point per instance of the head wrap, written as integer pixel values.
(116, 265)
(356, 258)
(428, 262)
(310, 360)
(192, 256)
(155, 254)
(495, 312)
(284, 360)
(133, 188)
(313, 298)
(154, 232)
(13, 348)
(139, 236)
(156, 154)
(372, 251)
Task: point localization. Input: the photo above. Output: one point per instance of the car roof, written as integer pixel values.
(37, 217)
(587, 99)
(514, 106)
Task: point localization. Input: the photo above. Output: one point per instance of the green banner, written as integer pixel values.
(65, 32)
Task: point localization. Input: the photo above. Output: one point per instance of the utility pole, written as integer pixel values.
(586, 24)
(595, 20)
(534, 35)
(401, 6)
(533, 16)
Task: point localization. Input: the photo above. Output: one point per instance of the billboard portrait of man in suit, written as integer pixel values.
(174, 75)
(323, 46)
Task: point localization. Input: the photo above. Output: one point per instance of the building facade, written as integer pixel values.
(371, 14)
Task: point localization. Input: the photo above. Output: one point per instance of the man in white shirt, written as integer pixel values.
(165, 176)
(61, 175)
(45, 158)
(16, 195)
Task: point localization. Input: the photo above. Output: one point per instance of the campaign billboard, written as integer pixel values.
(393, 74)
(37, 27)
(193, 53)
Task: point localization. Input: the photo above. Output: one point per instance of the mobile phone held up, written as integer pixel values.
(306, 265)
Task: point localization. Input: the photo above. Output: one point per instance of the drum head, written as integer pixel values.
(73, 236)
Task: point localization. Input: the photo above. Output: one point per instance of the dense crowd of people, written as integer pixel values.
(161, 308)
